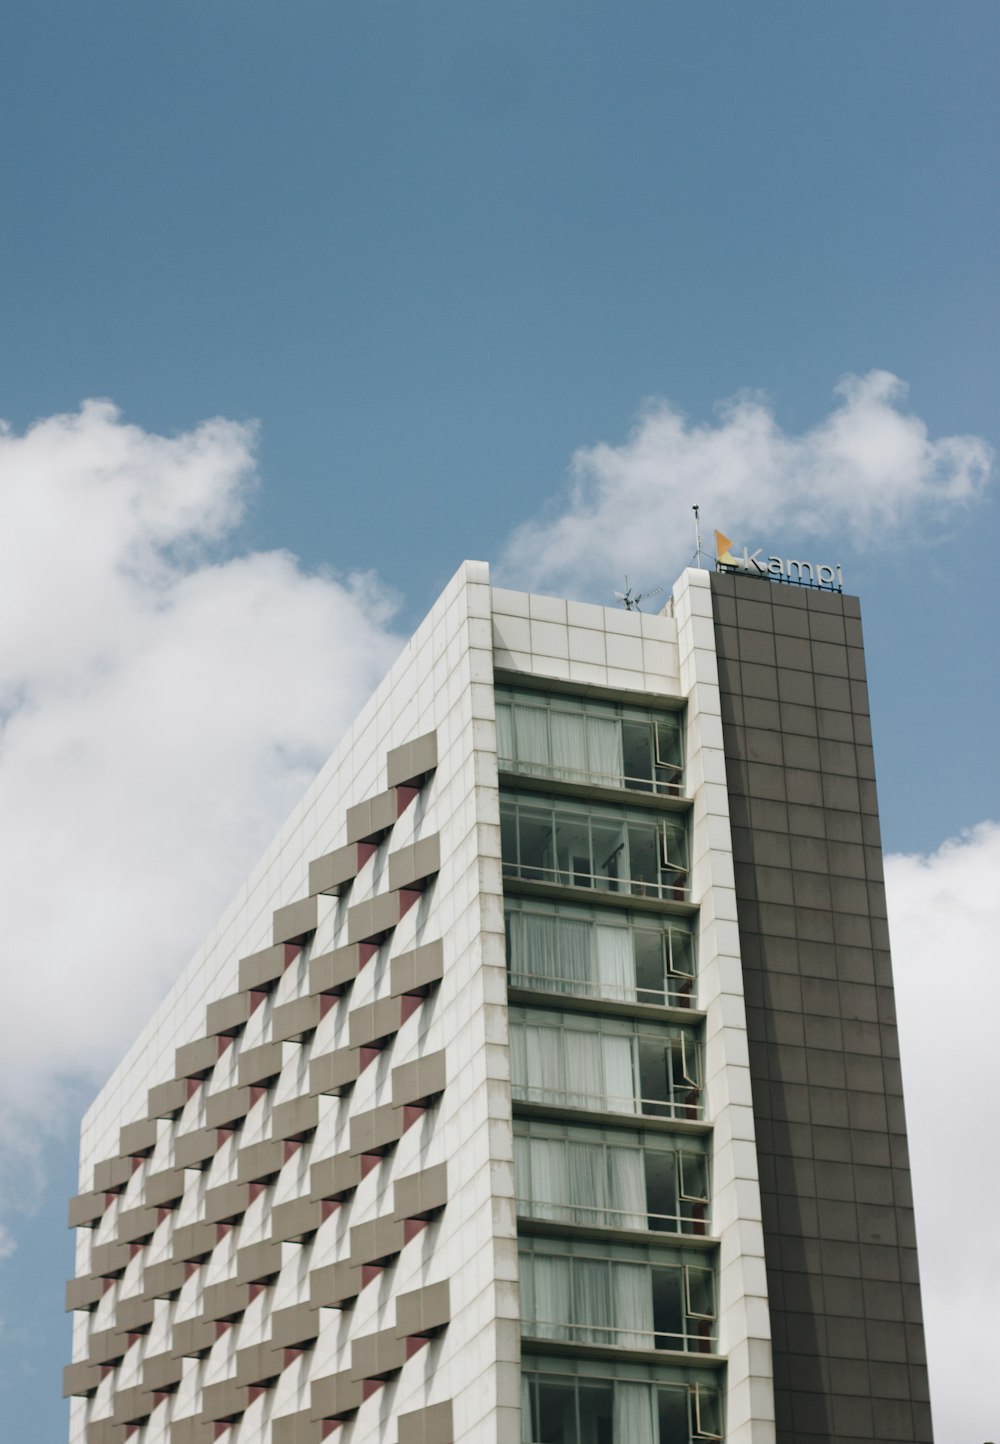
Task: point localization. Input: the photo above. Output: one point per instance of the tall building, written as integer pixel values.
(540, 1086)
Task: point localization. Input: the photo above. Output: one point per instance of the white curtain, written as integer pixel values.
(588, 1189)
(582, 1053)
(619, 1074)
(569, 746)
(604, 737)
(505, 733)
(527, 1432)
(552, 952)
(532, 733)
(633, 1295)
(615, 968)
(627, 1187)
(541, 1172)
(593, 1313)
(550, 1293)
(634, 1414)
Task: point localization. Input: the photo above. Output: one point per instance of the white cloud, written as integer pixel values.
(945, 920)
(867, 467)
(162, 706)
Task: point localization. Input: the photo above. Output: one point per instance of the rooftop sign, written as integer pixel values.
(752, 564)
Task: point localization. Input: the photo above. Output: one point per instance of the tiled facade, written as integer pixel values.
(455, 1129)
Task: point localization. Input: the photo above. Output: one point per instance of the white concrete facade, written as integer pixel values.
(443, 682)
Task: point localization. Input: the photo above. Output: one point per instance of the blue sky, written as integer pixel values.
(435, 250)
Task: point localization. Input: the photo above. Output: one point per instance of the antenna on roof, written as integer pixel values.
(697, 535)
(630, 599)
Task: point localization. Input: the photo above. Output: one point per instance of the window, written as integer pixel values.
(572, 1060)
(618, 1296)
(599, 954)
(609, 1178)
(570, 844)
(563, 1404)
(602, 744)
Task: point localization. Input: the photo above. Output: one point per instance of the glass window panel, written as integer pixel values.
(707, 1413)
(637, 760)
(609, 853)
(554, 1420)
(668, 743)
(649, 951)
(644, 864)
(673, 1414)
(680, 952)
(619, 1074)
(596, 1407)
(660, 1170)
(668, 1308)
(694, 1177)
(573, 856)
(700, 1286)
(549, 1305)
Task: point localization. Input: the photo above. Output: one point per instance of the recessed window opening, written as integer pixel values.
(600, 744)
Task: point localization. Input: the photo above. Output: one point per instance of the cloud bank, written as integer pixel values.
(944, 913)
(162, 707)
(868, 467)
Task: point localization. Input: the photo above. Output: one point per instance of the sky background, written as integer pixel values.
(518, 281)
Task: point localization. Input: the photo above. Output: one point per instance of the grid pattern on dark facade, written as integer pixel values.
(840, 1247)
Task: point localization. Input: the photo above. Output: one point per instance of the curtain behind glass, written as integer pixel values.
(615, 969)
(627, 1187)
(527, 1429)
(587, 1178)
(569, 746)
(604, 738)
(593, 1312)
(541, 1173)
(634, 1420)
(505, 733)
(551, 952)
(550, 1293)
(619, 1076)
(633, 1305)
(583, 1072)
(532, 733)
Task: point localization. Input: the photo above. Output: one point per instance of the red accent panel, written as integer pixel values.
(369, 1272)
(328, 1207)
(407, 897)
(106, 1284)
(256, 1093)
(255, 1190)
(221, 1327)
(330, 1426)
(408, 1005)
(366, 951)
(404, 796)
(413, 1343)
(162, 1213)
(292, 951)
(224, 1043)
(136, 1162)
(326, 1002)
(288, 1356)
(292, 1146)
(411, 1227)
(411, 1114)
(190, 1268)
(193, 1084)
(254, 1289)
(220, 1429)
(134, 1248)
(370, 1387)
(254, 1391)
(221, 1229)
(368, 1162)
(366, 1056)
(255, 1001)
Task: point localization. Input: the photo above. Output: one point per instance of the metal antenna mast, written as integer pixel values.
(697, 536)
